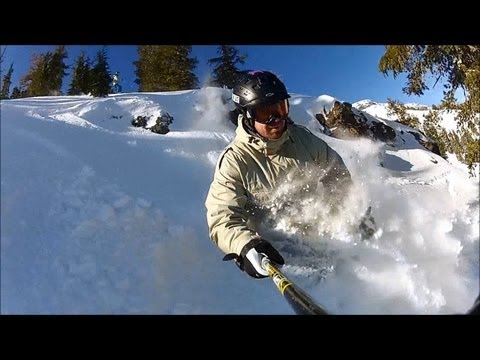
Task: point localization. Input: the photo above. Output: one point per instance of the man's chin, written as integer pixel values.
(275, 135)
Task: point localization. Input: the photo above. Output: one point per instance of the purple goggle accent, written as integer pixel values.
(255, 72)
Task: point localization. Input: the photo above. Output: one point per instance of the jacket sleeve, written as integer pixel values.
(226, 207)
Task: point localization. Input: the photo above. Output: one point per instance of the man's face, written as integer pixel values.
(270, 120)
(272, 131)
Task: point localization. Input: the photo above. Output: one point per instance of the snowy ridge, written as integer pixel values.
(379, 110)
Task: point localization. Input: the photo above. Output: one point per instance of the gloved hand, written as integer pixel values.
(250, 258)
(367, 225)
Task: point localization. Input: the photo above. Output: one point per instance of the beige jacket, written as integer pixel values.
(245, 175)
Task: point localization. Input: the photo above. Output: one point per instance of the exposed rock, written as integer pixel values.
(161, 124)
(140, 121)
(426, 142)
(343, 123)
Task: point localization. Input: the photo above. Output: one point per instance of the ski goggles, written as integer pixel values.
(272, 113)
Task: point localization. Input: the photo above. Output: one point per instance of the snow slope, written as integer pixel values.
(99, 217)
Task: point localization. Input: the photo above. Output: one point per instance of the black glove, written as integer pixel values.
(367, 225)
(250, 258)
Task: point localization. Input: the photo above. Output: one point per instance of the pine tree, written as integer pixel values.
(225, 73)
(46, 73)
(2, 55)
(431, 128)
(80, 76)
(35, 82)
(6, 82)
(458, 66)
(100, 75)
(56, 70)
(399, 110)
(165, 68)
(16, 93)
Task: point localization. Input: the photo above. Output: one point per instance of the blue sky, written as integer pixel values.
(347, 72)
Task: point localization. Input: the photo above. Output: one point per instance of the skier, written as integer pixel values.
(115, 82)
(267, 149)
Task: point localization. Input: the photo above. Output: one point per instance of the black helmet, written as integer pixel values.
(258, 87)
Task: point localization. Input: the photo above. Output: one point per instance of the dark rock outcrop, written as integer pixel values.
(161, 125)
(341, 122)
(140, 121)
(344, 123)
(426, 142)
